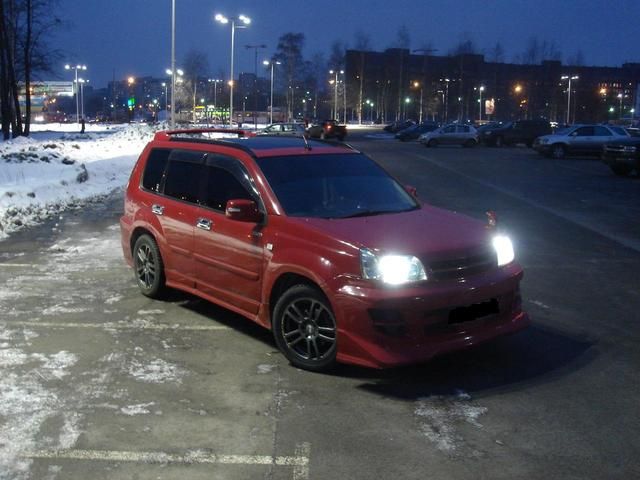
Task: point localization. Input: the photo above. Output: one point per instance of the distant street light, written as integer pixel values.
(480, 90)
(416, 85)
(75, 90)
(569, 77)
(620, 97)
(271, 63)
(335, 91)
(215, 82)
(243, 21)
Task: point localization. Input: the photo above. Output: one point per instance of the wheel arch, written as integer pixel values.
(284, 282)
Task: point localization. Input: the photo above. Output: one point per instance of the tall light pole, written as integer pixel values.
(166, 93)
(335, 91)
(480, 90)
(255, 81)
(82, 82)
(173, 61)
(215, 82)
(416, 85)
(75, 89)
(243, 22)
(271, 63)
(620, 97)
(569, 77)
(172, 72)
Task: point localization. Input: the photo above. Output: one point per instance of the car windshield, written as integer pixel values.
(619, 130)
(334, 186)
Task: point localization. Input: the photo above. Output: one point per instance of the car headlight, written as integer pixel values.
(504, 249)
(392, 269)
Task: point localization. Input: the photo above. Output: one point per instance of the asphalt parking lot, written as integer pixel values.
(98, 381)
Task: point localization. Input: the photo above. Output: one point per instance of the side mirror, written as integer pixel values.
(243, 211)
(411, 190)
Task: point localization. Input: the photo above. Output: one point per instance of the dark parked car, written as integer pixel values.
(511, 133)
(318, 243)
(579, 140)
(623, 156)
(398, 126)
(414, 131)
(327, 129)
(284, 128)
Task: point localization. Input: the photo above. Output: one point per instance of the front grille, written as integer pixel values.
(462, 267)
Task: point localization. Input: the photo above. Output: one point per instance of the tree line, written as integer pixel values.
(24, 28)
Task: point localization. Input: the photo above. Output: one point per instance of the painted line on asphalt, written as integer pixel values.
(112, 326)
(19, 265)
(626, 242)
(299, 461)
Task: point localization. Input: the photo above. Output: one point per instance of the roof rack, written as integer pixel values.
(166, 135)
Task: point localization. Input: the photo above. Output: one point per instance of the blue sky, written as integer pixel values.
(132, 37)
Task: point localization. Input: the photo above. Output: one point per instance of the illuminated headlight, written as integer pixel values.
(629, 149)
(504, 249)
(392, 269)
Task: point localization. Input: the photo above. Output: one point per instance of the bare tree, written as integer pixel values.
(538, 51)
(363, 43)
(403, 39)
(465, 46)
(289, 53)
(496, 53)
(577, 59)
(195, 65)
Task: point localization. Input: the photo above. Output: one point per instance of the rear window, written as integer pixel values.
(183, 180)
(154, 169)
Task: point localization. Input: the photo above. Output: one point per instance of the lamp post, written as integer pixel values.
(215, 82)
(173, 60)
(416, 85)
(174, 80)
(335, 91)
(82, 82)
(570, 78)
(480, 90)
(243, 22)
(75, 89)
(271, 63)
(620, 97)
(255, 81)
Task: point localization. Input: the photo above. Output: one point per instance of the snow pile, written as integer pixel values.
(56, 170)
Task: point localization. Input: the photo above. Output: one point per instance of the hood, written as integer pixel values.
(427, 231)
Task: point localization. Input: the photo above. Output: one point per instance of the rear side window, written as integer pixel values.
(154, 169)
(183, 177)
(221, 187)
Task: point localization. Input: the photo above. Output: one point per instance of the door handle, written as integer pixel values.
(157, 209)
(204, 223)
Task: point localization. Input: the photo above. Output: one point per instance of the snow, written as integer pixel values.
(57, 168)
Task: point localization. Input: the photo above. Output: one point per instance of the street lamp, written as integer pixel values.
(569, 77)
(335, 91)
(82, 82)
(271, 63)
(480, 90)
(620, 97)
(243, 22)
(370, 103)
(416, 85)
(174, 80)
(76, 68)
(215, 82)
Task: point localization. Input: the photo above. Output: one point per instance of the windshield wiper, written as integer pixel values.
(367, 213)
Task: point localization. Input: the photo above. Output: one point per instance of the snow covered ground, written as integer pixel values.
(57, 168)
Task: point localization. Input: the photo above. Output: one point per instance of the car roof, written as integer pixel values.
(259, 146)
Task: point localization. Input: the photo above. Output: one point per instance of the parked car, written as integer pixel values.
(511, 133)
(318, 243)
(283, 128)
(414, 131)
(454, 134)
(399, 125)
(579, 139)
(327, 129)
(623, 156)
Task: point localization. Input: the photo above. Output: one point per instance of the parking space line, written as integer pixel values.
(20, 265)
(114, 326)
(299, 461)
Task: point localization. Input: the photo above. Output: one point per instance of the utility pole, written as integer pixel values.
(255, 81)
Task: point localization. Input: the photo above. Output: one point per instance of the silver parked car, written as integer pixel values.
(454, 134)
(579, 139)
(288, 129)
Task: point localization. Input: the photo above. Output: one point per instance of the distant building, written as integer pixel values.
(397, 83)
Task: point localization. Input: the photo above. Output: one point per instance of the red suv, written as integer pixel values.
(318, 243)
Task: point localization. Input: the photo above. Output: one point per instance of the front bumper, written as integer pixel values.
(382, 327)
(632, 159)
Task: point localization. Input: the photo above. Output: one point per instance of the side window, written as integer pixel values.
(221, 187)
(601, 132)
(584, 132)
(449, 129)
(183, 179)
(154, 169)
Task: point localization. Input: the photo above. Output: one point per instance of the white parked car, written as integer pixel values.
(453, 134)
(578, 139)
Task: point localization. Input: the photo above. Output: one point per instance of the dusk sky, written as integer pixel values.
(133, 37)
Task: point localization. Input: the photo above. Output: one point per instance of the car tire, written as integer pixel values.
(470, 143)
(148, 267)
(432, 143)
(304, 328)
(621, 169)
(558, 151)
(498, 142)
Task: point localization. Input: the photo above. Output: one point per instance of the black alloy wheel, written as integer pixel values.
(148, 266)
(304, 328)
(558, 151)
